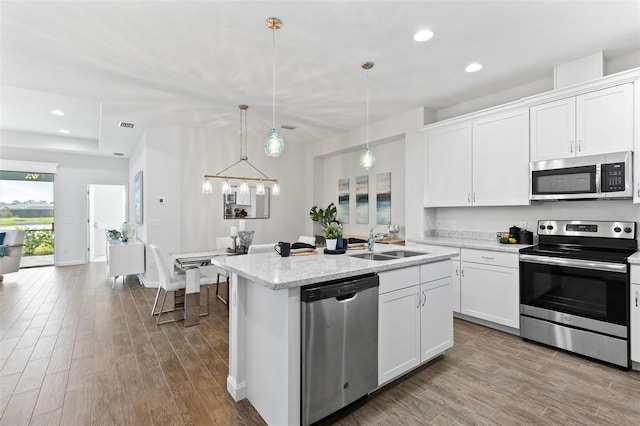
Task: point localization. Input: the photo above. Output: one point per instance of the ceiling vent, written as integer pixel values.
(125, 125)
(288, 127)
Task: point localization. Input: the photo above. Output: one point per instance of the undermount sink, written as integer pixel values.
(373, 256)
(388, 255)
(403, 253)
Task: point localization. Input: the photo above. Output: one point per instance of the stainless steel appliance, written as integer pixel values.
(574, 288)
(604, 176)
(339, 344)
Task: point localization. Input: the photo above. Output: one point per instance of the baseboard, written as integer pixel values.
(237, 391)
(71, 263)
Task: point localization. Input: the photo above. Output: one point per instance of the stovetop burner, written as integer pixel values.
(603, 241)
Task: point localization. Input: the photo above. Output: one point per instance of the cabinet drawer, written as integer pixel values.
(510, 260)
(635, 274)
(435, 271)
(399, 278)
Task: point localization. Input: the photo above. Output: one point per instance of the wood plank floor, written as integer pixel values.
(73, 351)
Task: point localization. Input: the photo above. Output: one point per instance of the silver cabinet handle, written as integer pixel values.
(418, 297)
(636, 299)
(571, 147)
(469, 197)
(579, 145)
(638, 189)
(462, 272)
(474, 197)
(487, 257)
(424, 297)
(456, 272)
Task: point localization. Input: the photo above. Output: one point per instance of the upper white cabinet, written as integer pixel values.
(501, 159)
(483, 162)
(448, 166)
(597, 122)
(636, 163)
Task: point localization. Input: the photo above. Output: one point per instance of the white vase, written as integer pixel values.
(127, 230)
(331, 243)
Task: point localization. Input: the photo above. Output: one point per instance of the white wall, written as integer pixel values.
(75, 172)
(390, 157)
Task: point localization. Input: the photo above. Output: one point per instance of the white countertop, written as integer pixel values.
(492, 245)
(277, 273)
(634, 259)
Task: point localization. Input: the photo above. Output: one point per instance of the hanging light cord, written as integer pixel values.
(273, 74)
(367, 109)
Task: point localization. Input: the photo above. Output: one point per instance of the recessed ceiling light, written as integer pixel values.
(423, 35)
(473, 67)
(57, 112)
(65, 131)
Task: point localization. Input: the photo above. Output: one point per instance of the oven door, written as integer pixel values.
(580, 293)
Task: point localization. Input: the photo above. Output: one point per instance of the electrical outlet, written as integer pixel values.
(453, 224)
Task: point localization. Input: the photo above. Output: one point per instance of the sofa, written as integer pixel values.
(10, 250)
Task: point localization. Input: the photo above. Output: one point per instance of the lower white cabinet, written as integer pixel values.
(455, 269)
(415, 323)
(635, 314)
(490, 286)
(125, 258)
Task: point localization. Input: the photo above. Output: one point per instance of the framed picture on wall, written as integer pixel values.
(137, 197)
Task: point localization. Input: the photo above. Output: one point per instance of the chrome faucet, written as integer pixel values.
(371, 240)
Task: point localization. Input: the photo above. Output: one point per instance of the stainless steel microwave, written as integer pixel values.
(605, 176)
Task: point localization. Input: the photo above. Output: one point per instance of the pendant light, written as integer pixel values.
(244, 186)
(273, 143)
(367, 159)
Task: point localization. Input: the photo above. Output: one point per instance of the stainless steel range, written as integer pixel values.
(574, 288)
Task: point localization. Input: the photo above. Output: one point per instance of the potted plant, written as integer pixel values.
(323, 216)
(331, 232)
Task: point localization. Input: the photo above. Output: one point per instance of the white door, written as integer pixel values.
(107, 210)
(553, 130)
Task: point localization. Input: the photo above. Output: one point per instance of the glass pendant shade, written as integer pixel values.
(274, 144)
(260, 188)
(226, 187)
(275, 190)
(244, 187)
(206, 187)
(367, 159)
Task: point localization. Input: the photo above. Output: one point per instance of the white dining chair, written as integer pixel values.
(171, 282)
(222, 243)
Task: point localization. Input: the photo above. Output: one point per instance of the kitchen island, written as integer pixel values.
(264, 321)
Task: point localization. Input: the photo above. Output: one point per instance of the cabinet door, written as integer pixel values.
(636, 126)
(436, 319)
(398, 333)
(635, 322)
(553, 129)
(125, 259)
(604, 120)
(501, 159)
(455, 284)
(491, 293)
(448, 166)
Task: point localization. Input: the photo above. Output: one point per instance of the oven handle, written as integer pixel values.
(574, 263)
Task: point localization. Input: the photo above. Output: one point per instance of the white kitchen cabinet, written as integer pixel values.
(501, 159)
(436, 318)
(415, 321)
(636, 127)
(448, 166)
(398, 333)
(484, 162)
(490, 287)
(124, 258)
(635, 314)
(455, 269)
(597, 122)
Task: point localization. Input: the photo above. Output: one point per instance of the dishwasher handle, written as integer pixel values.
(346, 298)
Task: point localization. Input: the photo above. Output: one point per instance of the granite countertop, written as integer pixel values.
(634, 259)
(278, 273)
(492, 245)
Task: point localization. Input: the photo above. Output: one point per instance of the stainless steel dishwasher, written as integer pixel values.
(339, 344)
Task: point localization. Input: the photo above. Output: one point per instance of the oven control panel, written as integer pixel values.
(579, 228)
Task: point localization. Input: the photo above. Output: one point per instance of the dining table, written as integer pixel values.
(194, 265)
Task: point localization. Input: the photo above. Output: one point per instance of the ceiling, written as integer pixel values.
(159, 63)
